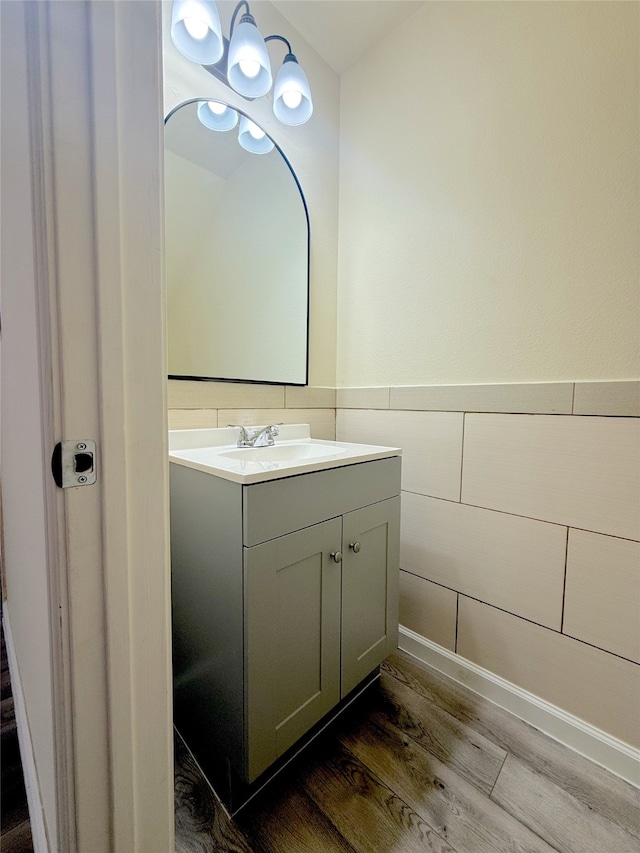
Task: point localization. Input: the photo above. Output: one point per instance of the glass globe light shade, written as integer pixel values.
(196, 30)
(217, 116)
(291, 93)
(248, 67)
(253, 138)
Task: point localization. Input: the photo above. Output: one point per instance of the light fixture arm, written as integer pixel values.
(235, 15)
(280, 38)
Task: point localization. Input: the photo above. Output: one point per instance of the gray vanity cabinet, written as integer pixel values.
(369, 589)
(315, 628)
(293, 638)
(285, 597)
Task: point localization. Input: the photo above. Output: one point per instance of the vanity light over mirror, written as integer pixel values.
(237, 250)
(241, 61)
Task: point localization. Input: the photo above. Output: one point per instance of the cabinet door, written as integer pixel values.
(292, 589)
(370, 576)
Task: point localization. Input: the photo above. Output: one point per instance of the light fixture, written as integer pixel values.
(217, 116)
(243, 61)
(196, 30)
(248, 66)
(253, 138)
(291, 93)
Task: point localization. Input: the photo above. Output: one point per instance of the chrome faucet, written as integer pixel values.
(258, 437)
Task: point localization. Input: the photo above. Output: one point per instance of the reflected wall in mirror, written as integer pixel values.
(237, 257)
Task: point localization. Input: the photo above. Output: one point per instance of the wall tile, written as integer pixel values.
(321, 421)
(362, 398)
(431, 445)
(309, 398)
(529, 397)
(513, 563)
(607, 398)
(602, 597)
(193, 418)
(187, 394)
(429, 610)
(599, 687)
(582, 472)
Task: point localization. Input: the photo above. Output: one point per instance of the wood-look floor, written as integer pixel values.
(15, 829)
(422, 765)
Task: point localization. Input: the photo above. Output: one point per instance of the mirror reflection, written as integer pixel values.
(237, 251)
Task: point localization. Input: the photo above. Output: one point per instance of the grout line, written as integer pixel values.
(539, 624)
(564, 582)
(502, 610)
(423, 411)
(457, 620)
(513, 410)
(516, 515)
(516, 616)
(601, 649)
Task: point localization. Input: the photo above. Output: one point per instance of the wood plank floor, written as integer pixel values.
(15, 829)
(423, 765)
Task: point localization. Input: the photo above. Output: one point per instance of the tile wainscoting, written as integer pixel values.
(520, 545)
(197, 405)
(520, 529)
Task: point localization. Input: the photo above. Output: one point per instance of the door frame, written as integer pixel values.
(95, 126)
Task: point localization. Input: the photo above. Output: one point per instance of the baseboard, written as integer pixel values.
(34, 800)
(593, 743)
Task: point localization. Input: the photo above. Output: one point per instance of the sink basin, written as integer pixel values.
(283, 452)
(215, 451)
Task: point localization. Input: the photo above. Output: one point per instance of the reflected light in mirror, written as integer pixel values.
(217, 116)
(253, 138)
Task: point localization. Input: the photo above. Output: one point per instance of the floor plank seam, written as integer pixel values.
(504, 761)
(455, 721)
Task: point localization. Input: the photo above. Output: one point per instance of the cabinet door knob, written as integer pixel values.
(355, 547)
(336, 556)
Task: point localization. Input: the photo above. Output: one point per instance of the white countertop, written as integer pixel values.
(215, 451)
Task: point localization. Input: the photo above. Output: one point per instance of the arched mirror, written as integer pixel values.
(237, 251)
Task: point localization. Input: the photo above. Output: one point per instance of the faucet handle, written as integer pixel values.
(243, 431)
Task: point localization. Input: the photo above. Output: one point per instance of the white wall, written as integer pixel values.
(489, 197)
(312, 150)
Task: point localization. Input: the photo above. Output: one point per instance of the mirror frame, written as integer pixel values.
(308, 290)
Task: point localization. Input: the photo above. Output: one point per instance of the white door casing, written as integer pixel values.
(95, 126)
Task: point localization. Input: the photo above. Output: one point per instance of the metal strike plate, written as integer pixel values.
(74, 463)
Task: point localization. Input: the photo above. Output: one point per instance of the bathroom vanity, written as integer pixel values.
(285, 592)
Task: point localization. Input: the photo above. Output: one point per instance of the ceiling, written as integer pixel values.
(342, 31)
